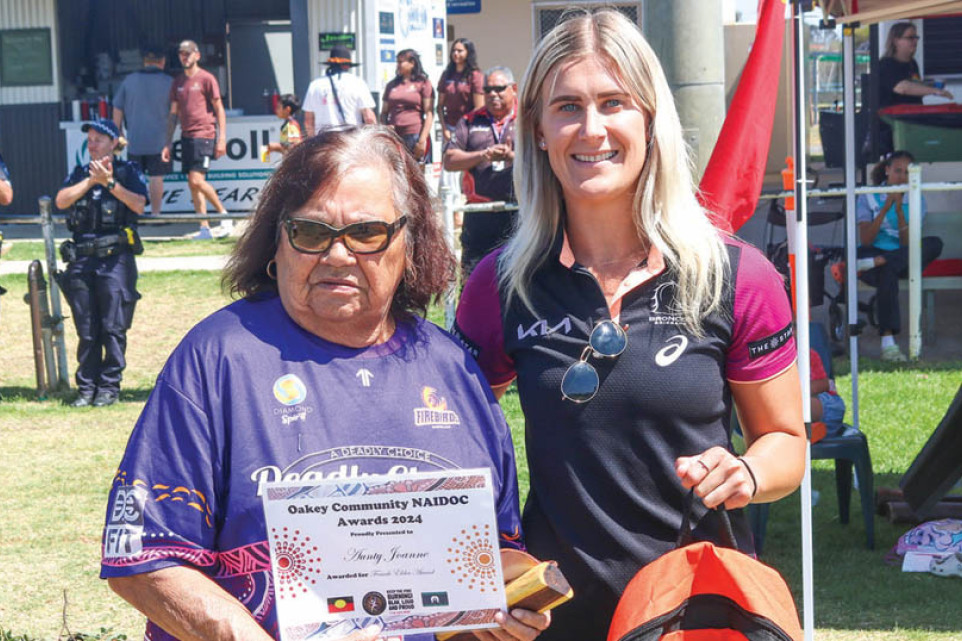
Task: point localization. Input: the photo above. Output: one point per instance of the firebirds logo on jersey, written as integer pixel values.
(436, 412)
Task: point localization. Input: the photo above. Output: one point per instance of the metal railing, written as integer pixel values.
(449, 201)
(914, 189)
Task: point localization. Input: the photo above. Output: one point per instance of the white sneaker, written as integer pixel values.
(204, 233)
(892, 354)
(220, 231)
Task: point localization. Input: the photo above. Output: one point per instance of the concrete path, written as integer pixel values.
(144, 264)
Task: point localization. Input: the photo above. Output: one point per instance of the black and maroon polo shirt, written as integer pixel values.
(479, 130)
(604, 497)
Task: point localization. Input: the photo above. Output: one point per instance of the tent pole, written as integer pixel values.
(851, 242)
(800, 223)
(915, 261)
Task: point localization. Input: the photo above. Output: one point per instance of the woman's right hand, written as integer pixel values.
(100, 171)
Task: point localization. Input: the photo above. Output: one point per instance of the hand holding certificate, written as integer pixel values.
(412, 554)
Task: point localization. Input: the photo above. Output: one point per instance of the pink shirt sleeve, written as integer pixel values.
(763, 343)
(477, 83)
(478, 322)
(427, 89)
(212, 90)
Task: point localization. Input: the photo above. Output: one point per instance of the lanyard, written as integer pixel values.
(499, 135)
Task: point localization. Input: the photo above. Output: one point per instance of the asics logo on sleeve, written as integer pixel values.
(671, 352)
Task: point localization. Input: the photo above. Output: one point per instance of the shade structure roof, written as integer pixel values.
(866, 12)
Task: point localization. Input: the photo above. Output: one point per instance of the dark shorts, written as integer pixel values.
(151, 164)
(196, 154)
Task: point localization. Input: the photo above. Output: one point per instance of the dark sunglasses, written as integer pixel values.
(368, 237)
(494, 88)
(580, 382)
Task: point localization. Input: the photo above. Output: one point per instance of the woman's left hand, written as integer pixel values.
(718, 478)
(420, 147)
(518, 623)
(101, 170)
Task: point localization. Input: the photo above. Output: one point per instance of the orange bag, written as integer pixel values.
(702, 592)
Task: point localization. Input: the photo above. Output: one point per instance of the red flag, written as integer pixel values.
(733, 178)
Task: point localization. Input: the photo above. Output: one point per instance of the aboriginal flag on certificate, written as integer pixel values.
(340, 604)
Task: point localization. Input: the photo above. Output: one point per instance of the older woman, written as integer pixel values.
(317, 372)
(630, 325)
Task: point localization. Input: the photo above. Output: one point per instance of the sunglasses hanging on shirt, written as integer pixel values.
(580, 382)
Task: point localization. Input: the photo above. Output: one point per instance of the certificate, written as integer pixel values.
(415, 553)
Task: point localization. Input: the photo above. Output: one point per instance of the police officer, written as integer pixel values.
(105, 197)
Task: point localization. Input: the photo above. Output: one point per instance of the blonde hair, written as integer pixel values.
(665, 211)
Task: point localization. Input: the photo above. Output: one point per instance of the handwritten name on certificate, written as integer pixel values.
(415, 553)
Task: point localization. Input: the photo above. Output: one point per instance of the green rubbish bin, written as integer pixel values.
(933, 133)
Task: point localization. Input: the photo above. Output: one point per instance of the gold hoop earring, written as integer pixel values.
(272, 274)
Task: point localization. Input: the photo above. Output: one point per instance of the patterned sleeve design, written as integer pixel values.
(163, 500)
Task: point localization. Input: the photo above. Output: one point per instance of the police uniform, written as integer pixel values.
(101, 278)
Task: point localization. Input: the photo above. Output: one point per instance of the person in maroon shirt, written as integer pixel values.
(408, 105)
(483, 148)
(195, 101)
(460, 87)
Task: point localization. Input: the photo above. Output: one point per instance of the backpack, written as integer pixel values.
(700, 591)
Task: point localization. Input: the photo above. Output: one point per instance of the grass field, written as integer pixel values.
(56, 465)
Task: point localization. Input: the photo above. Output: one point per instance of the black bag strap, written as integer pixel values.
(337, 100)
(685, 535)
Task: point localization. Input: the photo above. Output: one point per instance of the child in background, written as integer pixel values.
(827, 406)
(287, 106)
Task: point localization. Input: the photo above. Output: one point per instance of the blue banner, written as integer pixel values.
(464, 6)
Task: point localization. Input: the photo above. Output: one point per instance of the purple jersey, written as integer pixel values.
(604, 498)
(249, 396)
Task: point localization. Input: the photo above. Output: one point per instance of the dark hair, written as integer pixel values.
(418, 73)
(878, 171)
(470, 61)
(316, 166)
(152, 52)
(896, 31)
(290, 101)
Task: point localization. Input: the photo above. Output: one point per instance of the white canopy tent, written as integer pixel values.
(850, 13)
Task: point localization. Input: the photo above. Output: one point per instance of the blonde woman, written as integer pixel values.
(630, 324)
